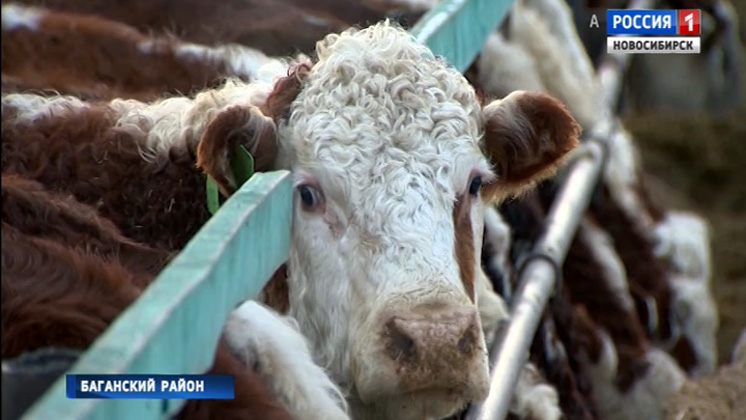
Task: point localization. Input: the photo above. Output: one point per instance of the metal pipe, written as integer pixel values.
(537, 283)
(538, 279)
(610, 71)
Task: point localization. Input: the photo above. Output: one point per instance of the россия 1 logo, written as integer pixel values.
(645, 31)
(689, 22)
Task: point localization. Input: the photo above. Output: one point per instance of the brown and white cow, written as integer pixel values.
(68, 273)
(96, 58)
(276, 27)
(626, 248)
(673, 245)
(393, 157)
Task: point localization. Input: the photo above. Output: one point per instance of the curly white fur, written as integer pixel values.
(379, 117)
(173, 124)
(274, 346)
(390, 136)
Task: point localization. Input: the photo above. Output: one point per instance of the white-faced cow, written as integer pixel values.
(393, 157)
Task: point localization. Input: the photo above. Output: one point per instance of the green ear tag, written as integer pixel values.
(213, 201)
(242, 165)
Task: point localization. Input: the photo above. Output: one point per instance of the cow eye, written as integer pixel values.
(310, 197)
(475, 185)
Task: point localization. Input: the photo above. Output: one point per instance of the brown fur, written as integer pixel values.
(558, 372)
(234, 126)
(562, 368)
(646, 274)
(59, 296)
(276, 293)
(584, 279)
(464, 243)
(588, 332)
(276, 27)
(529, 150)
(28, 207)
(88, 92)
(162, 205)
(684, 354)
(101, 58)
(556, 350)
(285, 91)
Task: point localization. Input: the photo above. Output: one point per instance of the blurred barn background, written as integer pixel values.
(697, 160)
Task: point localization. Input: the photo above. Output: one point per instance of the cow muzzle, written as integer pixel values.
(434, 351)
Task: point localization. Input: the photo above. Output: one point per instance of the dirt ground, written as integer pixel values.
(699, 164)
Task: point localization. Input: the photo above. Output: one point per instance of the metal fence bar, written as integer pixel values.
(458, 29)
(538, 279)
(228, 261)
(537, 282)
(611, 70)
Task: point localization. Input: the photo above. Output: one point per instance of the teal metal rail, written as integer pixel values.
(174, 326)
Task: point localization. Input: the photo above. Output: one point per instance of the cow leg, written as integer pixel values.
(273, 346)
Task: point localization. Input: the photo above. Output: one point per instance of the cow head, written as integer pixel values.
(394, 157)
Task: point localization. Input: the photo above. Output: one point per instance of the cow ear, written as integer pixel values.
(527, 135)
(236, 125)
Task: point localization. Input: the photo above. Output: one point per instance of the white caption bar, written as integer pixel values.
(652, 45)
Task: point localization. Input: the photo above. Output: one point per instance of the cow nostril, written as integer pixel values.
(400, 343)
(463, 345)
(466, 343)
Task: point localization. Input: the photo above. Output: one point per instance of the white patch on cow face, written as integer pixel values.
(383, 141)
(17, 17)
